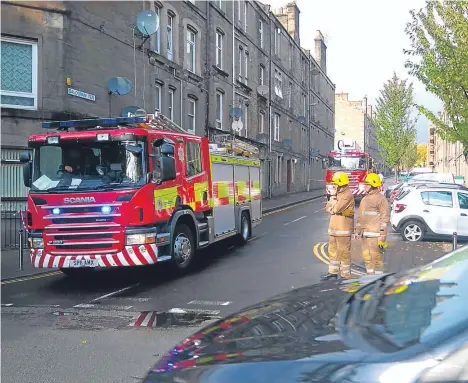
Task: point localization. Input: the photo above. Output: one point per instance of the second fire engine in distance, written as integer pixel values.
(134, 191)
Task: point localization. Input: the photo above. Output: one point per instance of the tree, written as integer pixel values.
(393, 120)
(422, 154)
(439, 47)
(410, 157)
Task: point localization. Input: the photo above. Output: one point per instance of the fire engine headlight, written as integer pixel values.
(106, 209)
(36, 243)
(56, 211)
(141, 239)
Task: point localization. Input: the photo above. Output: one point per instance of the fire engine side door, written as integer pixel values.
(196, 175)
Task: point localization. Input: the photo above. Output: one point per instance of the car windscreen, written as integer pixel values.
(79, 166)
(423, 305)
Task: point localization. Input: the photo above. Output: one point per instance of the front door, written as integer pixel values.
(288, 175)
(439, 211)
(462, 219)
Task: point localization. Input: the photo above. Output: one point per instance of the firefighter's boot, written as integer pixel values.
(334, 265)
(329, 276)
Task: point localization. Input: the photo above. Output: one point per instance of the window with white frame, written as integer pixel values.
(219, 49)
(260, 32)
(170, 105)
(279, 165)
(304, 105)
(246, 4)
(157, 96)
(276, 126)
(18, 73)
(191, 50)
(261, 123)
(278, 83)
(241, 62)
(246, 65)
(157, 34)
(191, 113)
(293, 169)
(219, 110)
(245, 119)
(261, 75)
(277, 34)
(170, 36)
(290, 90)
(219, 3)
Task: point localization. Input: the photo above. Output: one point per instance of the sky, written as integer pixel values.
(365, 41)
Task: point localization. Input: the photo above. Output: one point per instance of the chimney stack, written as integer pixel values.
(321, 51)
(288, 16)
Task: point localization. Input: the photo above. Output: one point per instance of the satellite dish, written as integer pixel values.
(147, 22)
(236, 112)
(262, 90)
(237, 126)
(133, 111)
(119, 85)
(302, 120)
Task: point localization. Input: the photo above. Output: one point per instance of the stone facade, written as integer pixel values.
(444, 156)
(353, 122)
(238, 46)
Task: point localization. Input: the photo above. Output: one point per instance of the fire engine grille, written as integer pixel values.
(77, 220)
(83, 236)
(85, 247)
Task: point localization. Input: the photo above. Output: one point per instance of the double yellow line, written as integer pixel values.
(321, 250)
(31, 277)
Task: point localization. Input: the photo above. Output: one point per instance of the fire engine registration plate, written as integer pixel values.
(84, 263)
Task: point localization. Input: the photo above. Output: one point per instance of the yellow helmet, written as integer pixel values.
(373, 180)
(340, 179)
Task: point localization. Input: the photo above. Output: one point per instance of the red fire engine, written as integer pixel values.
(349, 159)
(134, 191)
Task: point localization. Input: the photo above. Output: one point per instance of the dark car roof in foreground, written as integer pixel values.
(318, 330)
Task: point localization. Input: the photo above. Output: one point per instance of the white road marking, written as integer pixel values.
(177, 310)
(286, 224)
(210, 303)
(113, 293)
(84, 306)
(7, 304)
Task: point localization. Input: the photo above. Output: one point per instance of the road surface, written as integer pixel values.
(113, 326)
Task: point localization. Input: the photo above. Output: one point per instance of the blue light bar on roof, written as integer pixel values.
(93, 122)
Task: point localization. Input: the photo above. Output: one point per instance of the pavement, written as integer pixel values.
(112, 326)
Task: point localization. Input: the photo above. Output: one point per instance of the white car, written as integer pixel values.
(431, 210)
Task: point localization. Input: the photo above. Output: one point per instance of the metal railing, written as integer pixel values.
(12, 213)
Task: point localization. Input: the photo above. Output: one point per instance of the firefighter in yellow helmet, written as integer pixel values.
(372, 222)
(340, 229)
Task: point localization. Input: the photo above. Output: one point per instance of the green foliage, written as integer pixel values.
(394, 124)
(439, 47)
(410, 157)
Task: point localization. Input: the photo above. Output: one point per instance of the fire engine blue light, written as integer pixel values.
(56, 211)
(92, 122)
(106, 209)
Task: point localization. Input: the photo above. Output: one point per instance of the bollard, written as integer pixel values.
(454, 241)
(21, 245)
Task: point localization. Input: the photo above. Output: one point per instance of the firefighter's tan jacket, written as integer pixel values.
(374, 215)
(342, 213)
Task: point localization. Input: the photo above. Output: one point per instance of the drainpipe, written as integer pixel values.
(207, 69)
(181, 97)
(270, 186)
(233, 55)
(308, 130)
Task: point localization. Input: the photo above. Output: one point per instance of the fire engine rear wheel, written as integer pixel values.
(183, 247)
(244, 234)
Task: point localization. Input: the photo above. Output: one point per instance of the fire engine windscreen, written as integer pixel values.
(346, 163)
(88, 166)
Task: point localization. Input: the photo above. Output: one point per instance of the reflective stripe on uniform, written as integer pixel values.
(378, 272)
(370, 234)
(370, 213)
(339, 232)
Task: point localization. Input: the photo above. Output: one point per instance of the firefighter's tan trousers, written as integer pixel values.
(372, 255)
(339, 252)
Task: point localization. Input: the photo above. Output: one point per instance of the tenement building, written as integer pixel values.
(207, 64)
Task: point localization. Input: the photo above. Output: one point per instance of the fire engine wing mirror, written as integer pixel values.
(167, 149)
(27, 174)
(25, 157)
(168, 170)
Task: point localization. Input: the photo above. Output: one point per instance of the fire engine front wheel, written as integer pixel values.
(183, 248)
(244, 234)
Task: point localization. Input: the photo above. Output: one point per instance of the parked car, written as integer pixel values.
(431, 210)
(409, 327)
